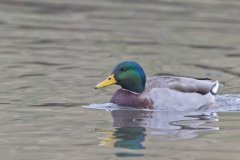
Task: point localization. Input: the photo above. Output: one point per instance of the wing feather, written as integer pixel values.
(182, 84)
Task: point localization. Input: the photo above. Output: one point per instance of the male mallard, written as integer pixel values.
(161, 92)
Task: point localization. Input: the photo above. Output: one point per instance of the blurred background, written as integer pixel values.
(53, 53)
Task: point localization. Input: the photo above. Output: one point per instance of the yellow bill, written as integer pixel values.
(107, 82)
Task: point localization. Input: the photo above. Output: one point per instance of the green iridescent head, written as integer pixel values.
(129, 75)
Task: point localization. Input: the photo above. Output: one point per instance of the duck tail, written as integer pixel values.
(214, 88)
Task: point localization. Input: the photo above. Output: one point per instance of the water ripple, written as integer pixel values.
(42, 63)
(30, 75)
(50, 8)
(58, 105)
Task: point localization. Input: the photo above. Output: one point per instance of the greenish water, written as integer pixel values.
(53, 52)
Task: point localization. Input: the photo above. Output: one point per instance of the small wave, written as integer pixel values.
(105, 106)
(228, 102)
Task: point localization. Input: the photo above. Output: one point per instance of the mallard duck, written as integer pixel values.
(158, 92)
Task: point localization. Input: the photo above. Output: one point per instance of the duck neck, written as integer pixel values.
(135, 84)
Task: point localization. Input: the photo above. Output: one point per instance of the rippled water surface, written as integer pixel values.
(53, 52)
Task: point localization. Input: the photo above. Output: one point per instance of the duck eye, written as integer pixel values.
(123, 69)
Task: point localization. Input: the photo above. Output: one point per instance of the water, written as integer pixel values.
(53, 52)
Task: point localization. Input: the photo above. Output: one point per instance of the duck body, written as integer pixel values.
(160, 92)
(169, 93)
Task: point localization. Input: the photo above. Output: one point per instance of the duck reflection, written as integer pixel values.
(125, 137)
(132, 126)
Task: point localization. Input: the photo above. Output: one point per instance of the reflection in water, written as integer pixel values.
(132, 126)
(125, 137)
(181, 125)
(130, 137)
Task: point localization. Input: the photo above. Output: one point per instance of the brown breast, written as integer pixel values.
(127, 98)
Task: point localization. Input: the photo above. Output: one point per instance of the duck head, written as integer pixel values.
(129, 75)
